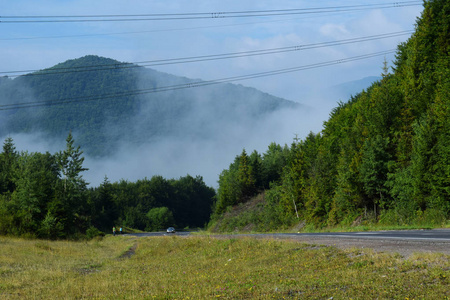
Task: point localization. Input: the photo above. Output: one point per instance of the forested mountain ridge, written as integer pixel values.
(382, 157)
(102, 100)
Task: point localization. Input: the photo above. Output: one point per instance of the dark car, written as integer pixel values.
(170, 230)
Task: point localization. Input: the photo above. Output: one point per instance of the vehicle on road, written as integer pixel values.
(170, 230)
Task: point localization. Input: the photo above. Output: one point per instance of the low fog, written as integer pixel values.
(203, 146)
(200, 137)
(206, 156)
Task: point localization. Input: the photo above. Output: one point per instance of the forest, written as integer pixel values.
(44, 195)
(382, 157)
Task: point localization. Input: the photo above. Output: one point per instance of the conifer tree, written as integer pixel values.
(245, 177)
(8, 159)
(71, 199)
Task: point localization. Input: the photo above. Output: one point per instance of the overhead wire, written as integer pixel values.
(192, 84)
(235, 14)
(200, 15)
(154, 30)
(203, 58)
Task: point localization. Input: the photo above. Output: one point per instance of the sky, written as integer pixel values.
(26, 46)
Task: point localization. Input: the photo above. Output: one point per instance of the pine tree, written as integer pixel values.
(71, 201)
(245, 177)
(8, 159)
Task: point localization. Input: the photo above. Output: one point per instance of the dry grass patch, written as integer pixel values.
(205, 268)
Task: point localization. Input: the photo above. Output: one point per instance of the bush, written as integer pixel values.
(431, 216)
(93, 232)
(391, 217)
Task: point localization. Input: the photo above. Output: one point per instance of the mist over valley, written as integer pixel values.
(133, 122)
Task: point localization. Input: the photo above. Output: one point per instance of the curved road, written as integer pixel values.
(442, 235)
(404, 242)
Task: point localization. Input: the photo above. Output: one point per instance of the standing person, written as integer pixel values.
(114, 230)
(121, 231)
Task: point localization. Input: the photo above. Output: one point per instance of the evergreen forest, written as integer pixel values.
(383, 157)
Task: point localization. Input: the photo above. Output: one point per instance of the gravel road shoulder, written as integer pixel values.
(402, 247)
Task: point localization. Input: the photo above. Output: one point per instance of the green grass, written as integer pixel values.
(202, 267)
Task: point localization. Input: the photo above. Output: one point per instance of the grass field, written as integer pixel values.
(202, 267)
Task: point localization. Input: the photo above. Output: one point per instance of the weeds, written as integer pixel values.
(201, 267)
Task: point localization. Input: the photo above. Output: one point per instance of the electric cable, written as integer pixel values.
(200, 15)
(153, 30)
(193, 84)
(203, 58)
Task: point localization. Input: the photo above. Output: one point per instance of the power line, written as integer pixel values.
(203, 58)
(200, 15)
(191, 84)
(152, 31)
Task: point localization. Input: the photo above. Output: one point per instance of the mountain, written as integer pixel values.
(351, 88)
(103, 102)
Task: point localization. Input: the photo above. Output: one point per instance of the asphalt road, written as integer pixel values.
(441, 235)
(403, 242)
(161, 233)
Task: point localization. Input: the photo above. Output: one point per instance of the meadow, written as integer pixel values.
(203, 267)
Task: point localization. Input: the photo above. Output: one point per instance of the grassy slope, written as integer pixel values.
(204, 268)
(251, 217)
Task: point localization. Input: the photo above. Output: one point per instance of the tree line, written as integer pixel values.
(383, 156)
(44, 195)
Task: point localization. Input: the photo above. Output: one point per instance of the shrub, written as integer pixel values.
(93, 232)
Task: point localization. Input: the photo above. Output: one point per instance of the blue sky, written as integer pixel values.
(37, 45)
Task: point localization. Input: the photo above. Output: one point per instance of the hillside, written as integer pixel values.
(107, 101)
(383, 156)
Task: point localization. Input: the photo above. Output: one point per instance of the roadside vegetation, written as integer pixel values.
(382, 157)
(257, 215)
(202, 267)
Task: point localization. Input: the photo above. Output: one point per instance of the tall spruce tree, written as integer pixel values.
(71, 198)
(8, 159)
(245, 177)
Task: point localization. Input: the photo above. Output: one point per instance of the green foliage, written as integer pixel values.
(45, 195)
(159, 218)
(93, 232)
(245, 179)
(7, 161)
(50, 227)
(71, 188)
(192, 205)
(374, 170)
(248, 175)
(383, 156)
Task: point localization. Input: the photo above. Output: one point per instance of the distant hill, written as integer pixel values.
(351, 88)
(106, 101)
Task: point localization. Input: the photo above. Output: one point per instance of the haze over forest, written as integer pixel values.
(194, 130)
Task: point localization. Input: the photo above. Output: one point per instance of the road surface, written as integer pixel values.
(403, 242)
